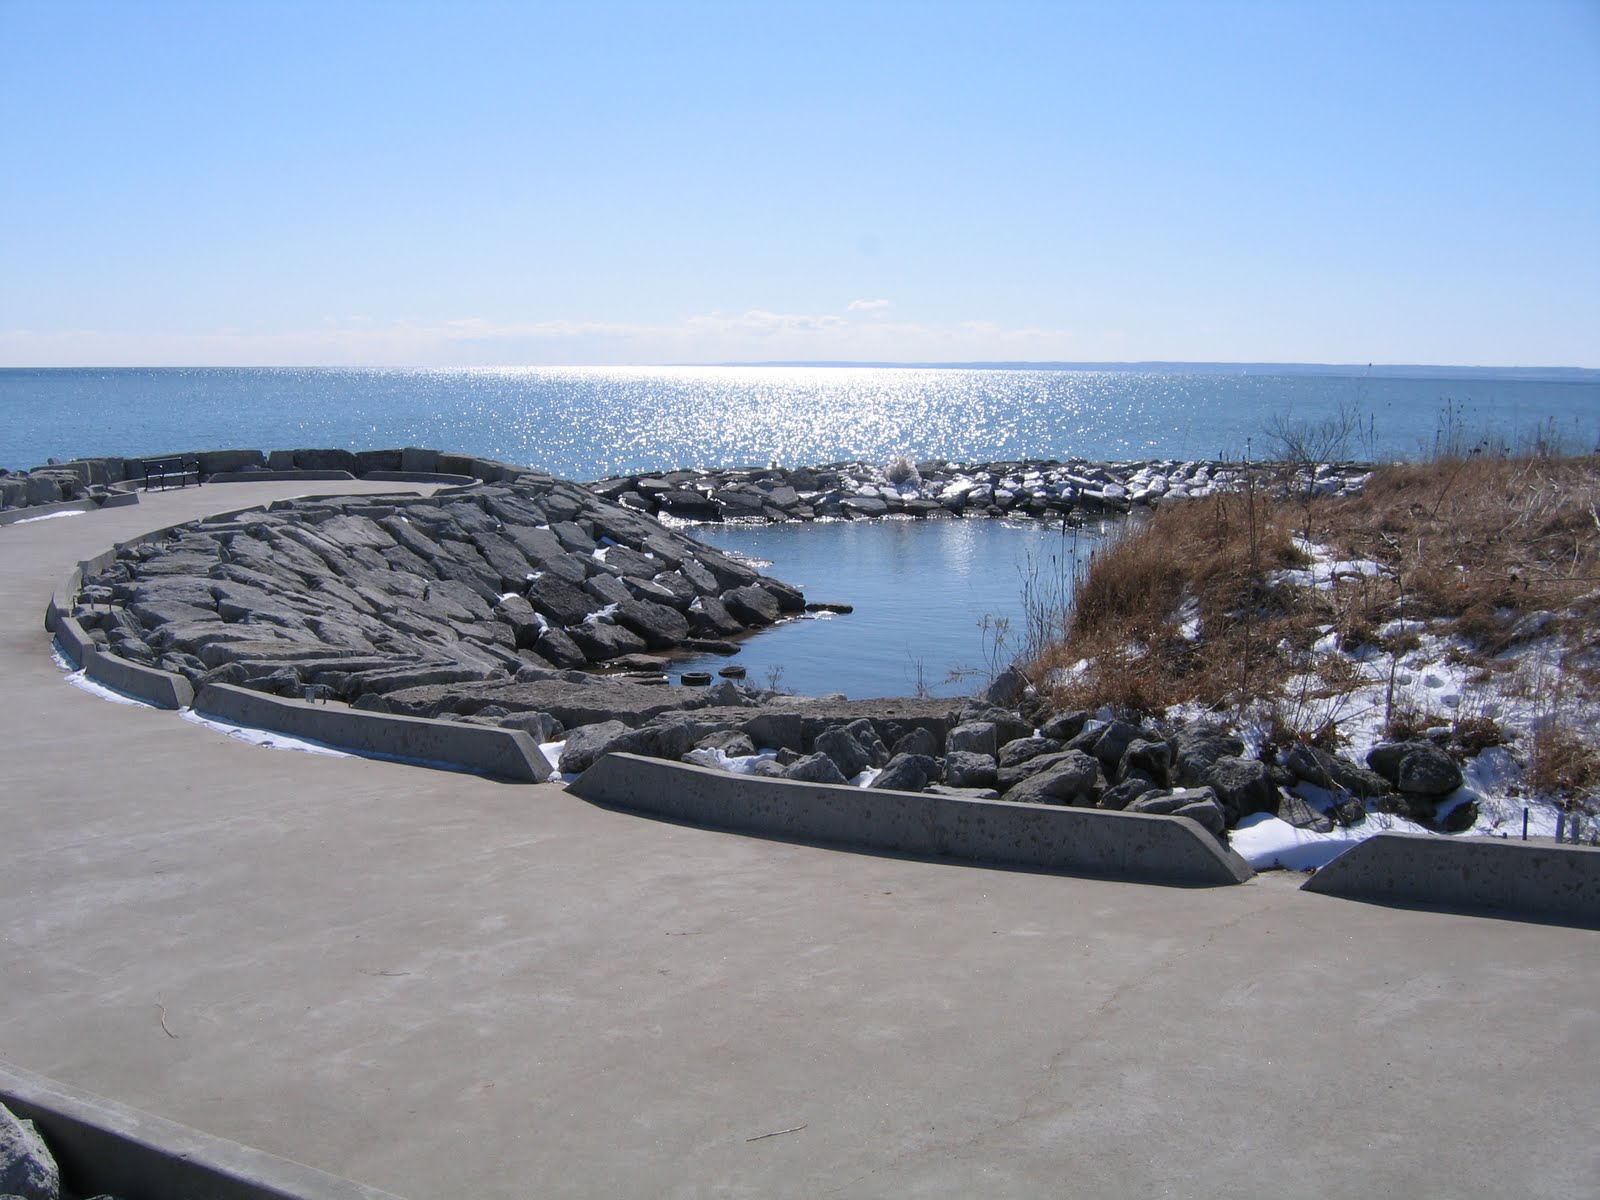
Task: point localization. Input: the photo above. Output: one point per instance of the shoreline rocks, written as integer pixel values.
(353, 597)
(1033, 488)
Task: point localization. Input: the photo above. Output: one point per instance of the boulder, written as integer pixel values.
(907, 773)
(1022, 750)
(1152, 759)
(1063, 727)
(973, 737)
(540, 726)
(1007, 689)
(751, 604)
(1242, 786)
(1132, 787)
(600, 640)
(847, 754)
(560, 601)
(966, 769)
(918, 741)
(1294, 810)
(1417, 767)
(587, 743)
(1198, 804)
(27, 1168)
(734, 743)
(814, 768)
(1071, 777)
(660, 627)
(1199, 746)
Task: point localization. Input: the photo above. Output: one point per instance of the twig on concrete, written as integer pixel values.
(161, 1009)
(776, 1133)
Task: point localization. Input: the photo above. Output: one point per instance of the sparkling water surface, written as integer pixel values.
(590, 422)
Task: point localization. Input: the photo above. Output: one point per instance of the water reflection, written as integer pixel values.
(922, 592)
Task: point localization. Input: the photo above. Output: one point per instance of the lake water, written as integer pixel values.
(939, 605)
(921, 591)
(586, 423)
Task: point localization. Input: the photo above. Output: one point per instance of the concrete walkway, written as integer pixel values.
(448, 987)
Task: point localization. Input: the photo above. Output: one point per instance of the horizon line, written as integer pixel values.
(865, 364)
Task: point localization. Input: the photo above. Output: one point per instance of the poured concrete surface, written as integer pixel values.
(444, 986)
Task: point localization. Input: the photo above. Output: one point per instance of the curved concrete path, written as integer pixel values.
(443, 986)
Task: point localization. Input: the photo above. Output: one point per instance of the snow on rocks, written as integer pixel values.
(848, 491)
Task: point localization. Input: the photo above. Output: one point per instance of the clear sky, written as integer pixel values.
(334, 182)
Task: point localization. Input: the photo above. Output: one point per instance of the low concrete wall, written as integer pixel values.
(162, 689)
(1468, 872)
(1075, 841)
(106, 1148)
(75, 645)
(508, 754)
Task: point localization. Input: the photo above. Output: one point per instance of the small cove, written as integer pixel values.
(921, 591)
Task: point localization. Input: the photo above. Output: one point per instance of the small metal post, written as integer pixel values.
(1561, 826)
(1524, 824)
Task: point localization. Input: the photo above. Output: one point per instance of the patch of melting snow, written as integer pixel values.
(78, 679)
(74, 512)
(262, 737)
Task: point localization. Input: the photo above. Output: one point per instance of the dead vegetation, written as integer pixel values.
(1496, 552)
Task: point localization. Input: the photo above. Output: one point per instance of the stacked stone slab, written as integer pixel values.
(350, 597)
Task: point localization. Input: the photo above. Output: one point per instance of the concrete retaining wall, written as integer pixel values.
(106, 1148)
(1074, 841)
(1467, 872)
(161, 689)
(508, 754)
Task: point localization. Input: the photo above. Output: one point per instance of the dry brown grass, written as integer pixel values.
(1480, 543)
(1483, 541)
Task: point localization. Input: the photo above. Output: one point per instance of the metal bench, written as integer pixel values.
(163, 473)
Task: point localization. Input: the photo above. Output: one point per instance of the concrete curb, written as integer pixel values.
(1075, 841)
(101, 1146)
(1470, 873)
(508, 754)
(155, 687)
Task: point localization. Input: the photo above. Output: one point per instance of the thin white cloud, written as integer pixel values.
(867, 306)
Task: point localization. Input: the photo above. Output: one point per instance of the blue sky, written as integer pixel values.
(478, 183)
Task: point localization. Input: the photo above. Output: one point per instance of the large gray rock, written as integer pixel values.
(586, 743)
(751, 604)
(1022, 750)
(1152, 759)
(661, 627)
(1199, 746)
(560, 601)
(966, 769)
(601, 641)
(846, 753)
(973, 737)
(27, 1168)
(815, 768)
(1071, 777)
(918, 741)
(1242, 786)
(1198, 804)
(1295, 811)
(907, 773)
(1418, 767)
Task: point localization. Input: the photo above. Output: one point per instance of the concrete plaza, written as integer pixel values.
(443, 986)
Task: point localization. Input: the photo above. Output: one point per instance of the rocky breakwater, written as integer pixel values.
(353, 597)
(1033, 488)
